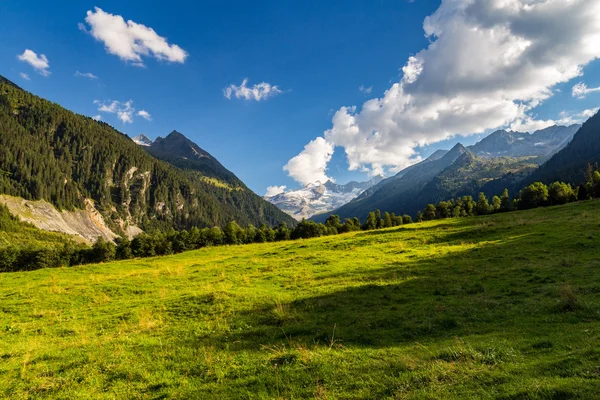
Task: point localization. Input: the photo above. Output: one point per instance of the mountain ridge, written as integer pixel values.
(50, 153)
(506, 156)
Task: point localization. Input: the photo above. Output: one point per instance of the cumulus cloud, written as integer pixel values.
(124, 110)
(365, 90)
(129, 40)
(310, 165)
(488, 64)
(529, 124)
(39, 63)
(567, 118)
(25, 76)
(145, 114)
(581, 90)
(86, 75)
(274, 190)
(97, 117)
(258, 92)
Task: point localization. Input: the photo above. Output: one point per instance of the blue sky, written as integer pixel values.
(318, 54)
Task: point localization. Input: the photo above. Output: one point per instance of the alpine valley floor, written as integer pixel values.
(504, 306)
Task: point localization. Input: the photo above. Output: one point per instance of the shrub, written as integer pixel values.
(534, 195)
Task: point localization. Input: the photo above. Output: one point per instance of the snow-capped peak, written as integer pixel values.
(142, 140)
(318, 197)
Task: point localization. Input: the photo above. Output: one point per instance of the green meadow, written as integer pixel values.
(500, 307)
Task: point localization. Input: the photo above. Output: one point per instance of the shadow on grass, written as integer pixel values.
(509, 280)
(424, 304)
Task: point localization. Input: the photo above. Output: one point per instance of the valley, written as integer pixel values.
(300, 200)
(500, 306)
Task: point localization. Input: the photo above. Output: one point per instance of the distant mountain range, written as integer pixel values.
(542, 143)
(319, 197)
(502, 159)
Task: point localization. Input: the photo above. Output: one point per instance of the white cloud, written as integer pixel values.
(25, 76)
(528, 124)
(39, 63)
(567, 118)
(581, 90)
(310, 165)
(589, 113)
(123, 110)
(274, 190)
(97, 117)
(145, 114)
(86, 75)
(129, 40)
(258, 92)
(365, 90)
(488, 64)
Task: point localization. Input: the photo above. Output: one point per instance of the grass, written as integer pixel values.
(502, 307)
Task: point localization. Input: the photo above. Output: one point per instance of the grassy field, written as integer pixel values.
(505, 306)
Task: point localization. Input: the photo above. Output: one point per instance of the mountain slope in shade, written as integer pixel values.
(544, 142)
(316, 198)
(179, 151)
(142, 140)
(569, 164)
(406, 183)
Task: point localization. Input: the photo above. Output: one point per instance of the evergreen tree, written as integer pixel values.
(496, 204)
(371, 222)
(429, 213)
(483, 206)
(505, 201)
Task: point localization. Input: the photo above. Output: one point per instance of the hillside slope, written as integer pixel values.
(385, 195)
(569, 164)
(47, 152)
(497, 307)
(178, 150)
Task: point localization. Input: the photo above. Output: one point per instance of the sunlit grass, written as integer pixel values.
(505, 306)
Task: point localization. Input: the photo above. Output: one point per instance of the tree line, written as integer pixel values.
(534, 195)
(538, 194)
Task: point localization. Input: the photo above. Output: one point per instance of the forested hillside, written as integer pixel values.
(50, 153)
(569, 164)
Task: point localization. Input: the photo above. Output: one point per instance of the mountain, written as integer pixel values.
(569, 164)
(76, 163)
(142, 140)
(544, 142)
(178, 150)
(318, 198)
(504, 158)
(384, 196)
(468, 176)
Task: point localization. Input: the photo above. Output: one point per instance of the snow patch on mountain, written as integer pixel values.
(142, 140)
(317, 197)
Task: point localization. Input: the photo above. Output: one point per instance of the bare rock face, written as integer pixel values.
(87, 224)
